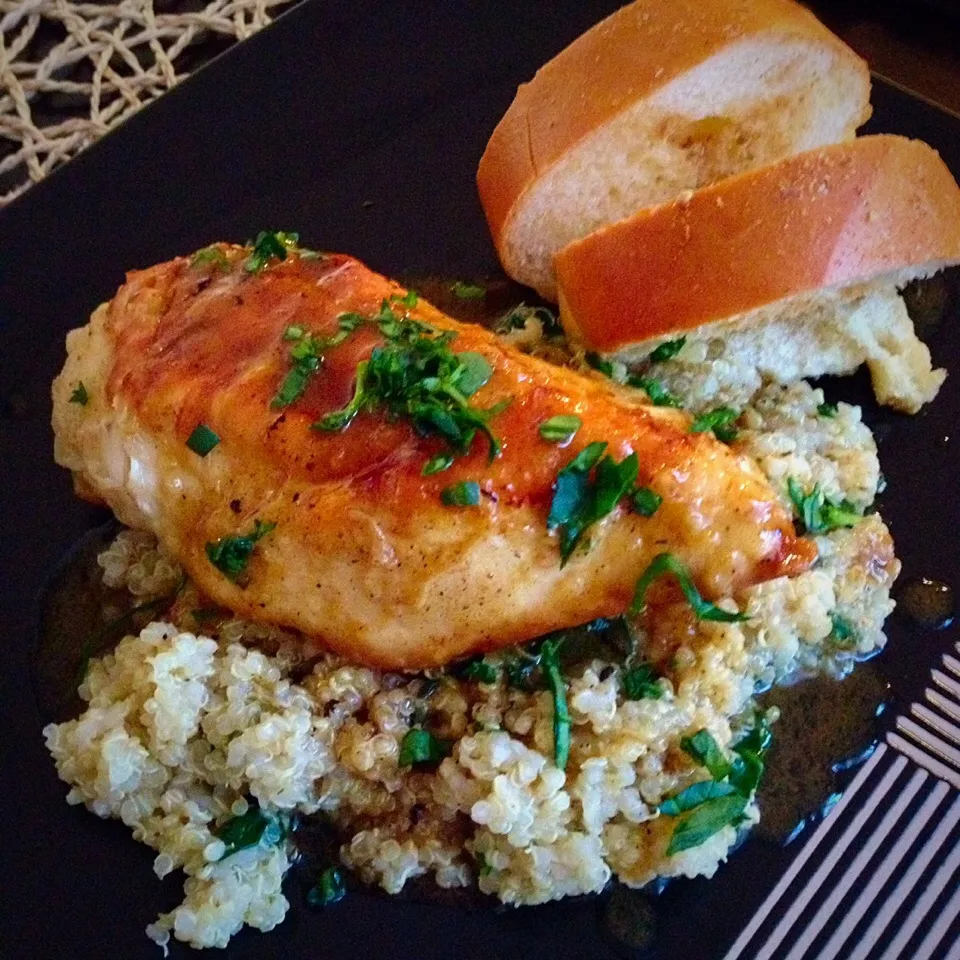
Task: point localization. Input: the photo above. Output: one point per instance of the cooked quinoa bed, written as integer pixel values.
(194, 720)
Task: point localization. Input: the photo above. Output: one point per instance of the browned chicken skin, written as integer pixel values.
(364, 555)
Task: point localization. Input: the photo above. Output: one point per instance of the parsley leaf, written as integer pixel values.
(706, 807)
(295, 382)
(667, 350)
(705, 750)
(705, 820)
(693, 796)
(212, 255)
(437, 464)
(645, 501)
(407, 300)
(828, 410)
(842, 633)
(473, 373)
(330, 888)
(522, 669)
(269, 245)
(519, 316)
(416, 375)
(720, 421)
(250, 829)
(659, 395)
(667, 563)
(579, 501)
(466, 493)
(817, 513)
(747, 767)
(468, 291)
(641, 683)
(202, 440)
(420, 746)
(306, 356)
(230, 555)
(80, 395)
(550, 663)
(561, 428)
(613, 369)
(481, 671)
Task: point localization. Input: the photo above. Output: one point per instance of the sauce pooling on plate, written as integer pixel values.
(929, 603)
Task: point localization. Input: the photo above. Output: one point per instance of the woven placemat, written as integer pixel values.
(72, 71)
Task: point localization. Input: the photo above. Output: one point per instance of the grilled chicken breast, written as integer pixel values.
(365, 554)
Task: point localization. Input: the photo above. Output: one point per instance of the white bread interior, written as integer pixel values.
(828, 331)
(760, 99)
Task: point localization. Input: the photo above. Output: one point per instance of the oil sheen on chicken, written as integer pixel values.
(365, 555)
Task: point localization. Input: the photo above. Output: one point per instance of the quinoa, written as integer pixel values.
(188, 725)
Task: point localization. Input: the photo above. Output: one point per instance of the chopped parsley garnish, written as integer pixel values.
(645, 501)
(550, 664)
(306, 356)
(420, 746)
(609, 368)
(828, 410)
(641, 683)
(817, 513)
(706, 751)
(522, 669)
(230, 555)
(270, 245)
(746, 768)
(250, 829)
(579, 501)
(408, 300)
(437, 464)
(475, 371)
(667, 350)
(842, 633)
(80, 395)
(720, 421)
(330, 888)
(210, 255)
(202, 440)
(561, 428)
(706, 807)
(468, 291)
(416, 375)
(295, 382)
(518, 317)
(481, 671)
(348, 322)
(659, 395)
(667, 564)
(466, 493)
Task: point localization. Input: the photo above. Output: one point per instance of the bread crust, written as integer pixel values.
(623, 59)
(830, 218)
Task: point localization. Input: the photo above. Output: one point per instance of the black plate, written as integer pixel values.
(359, 124)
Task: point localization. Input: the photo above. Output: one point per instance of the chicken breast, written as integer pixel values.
(355, 545)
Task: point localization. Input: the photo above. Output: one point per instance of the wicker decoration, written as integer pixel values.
(71, 71)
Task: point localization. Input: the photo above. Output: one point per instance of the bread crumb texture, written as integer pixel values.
(830, 332)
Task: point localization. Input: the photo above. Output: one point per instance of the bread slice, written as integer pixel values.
(661, 97)
(783, 272)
